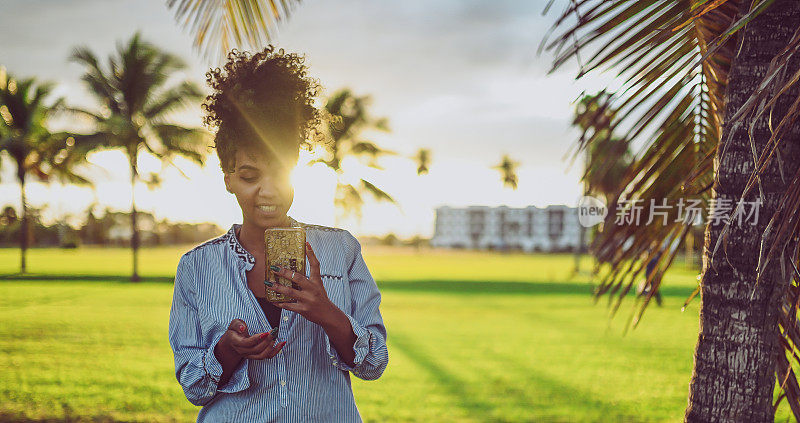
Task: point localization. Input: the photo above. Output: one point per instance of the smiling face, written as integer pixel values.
(263, 189)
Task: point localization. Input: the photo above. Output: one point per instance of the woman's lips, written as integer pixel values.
(268, 208)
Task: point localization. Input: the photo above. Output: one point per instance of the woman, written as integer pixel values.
(239, 356)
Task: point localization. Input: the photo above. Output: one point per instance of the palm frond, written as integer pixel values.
(95, 78)
(668, 107)
(675, 57)
(189, 142)
(348, 200)
(376, 192)
(220, 25)
(171, 99)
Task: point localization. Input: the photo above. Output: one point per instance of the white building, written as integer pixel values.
(553, 228)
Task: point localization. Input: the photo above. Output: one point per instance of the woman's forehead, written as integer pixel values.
(249, 157)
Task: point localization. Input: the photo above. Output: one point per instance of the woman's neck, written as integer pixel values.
(252, 237)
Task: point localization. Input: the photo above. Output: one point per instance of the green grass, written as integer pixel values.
(472, 336)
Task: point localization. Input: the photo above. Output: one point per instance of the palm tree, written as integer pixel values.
(711, 96)
(423, 159)
(348, 118)
(508, 171)
(36, 151)
(594, 115)
(136, 102)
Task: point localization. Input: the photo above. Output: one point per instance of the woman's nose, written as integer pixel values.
(270, 187)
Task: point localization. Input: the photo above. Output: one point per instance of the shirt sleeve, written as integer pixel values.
(196, 367)
(371, 354)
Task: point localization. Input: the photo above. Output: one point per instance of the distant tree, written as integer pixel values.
(608, 157)
(136, 103)
(35, 150)
(508, 171)
(418, 242)
(390, 239)
(8, 216)
(423, 158)
(348, 120)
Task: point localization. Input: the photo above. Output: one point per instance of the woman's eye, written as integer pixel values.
(249, 178)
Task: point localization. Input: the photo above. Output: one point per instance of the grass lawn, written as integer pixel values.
(472, 337)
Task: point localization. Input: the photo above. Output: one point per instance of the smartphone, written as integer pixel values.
(286, 248)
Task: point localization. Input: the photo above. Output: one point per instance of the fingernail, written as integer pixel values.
(263, 335)
(281, 344)
(241, 328)
(275, 268)
(267, 283)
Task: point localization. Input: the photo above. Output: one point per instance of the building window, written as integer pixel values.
(555, 223)
(476, 225)
(530, 223)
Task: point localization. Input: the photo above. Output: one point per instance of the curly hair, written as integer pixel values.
(264, 102)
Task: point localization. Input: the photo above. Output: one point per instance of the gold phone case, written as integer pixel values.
(285, 247)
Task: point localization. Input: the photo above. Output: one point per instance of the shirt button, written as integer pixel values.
(283, 383)
(285, 318)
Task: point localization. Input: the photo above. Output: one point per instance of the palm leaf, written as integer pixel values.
(219, 25)
(171, 99)
(189, 142)
(674, 57)
(376, 192)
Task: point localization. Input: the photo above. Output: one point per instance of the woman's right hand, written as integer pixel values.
(256, 347)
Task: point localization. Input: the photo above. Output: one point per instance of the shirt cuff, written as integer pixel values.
(361, 347)
(213, 368)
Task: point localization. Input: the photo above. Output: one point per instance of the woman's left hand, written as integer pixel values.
(312, 300)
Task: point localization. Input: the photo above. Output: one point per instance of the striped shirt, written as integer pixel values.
(307, 380)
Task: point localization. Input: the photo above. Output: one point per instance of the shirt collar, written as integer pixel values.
(240, 252)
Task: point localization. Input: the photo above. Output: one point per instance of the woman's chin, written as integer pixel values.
(275, 220)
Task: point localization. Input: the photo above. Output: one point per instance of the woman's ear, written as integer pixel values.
(227, 179)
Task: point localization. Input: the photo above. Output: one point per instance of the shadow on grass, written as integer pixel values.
(81, 278)
(7, 417)
(422, 286)
(506, 287)
(482, 410)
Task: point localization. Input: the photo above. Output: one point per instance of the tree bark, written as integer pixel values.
(738, 345)
(24, 235)
(134, 227)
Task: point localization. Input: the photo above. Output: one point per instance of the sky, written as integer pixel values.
(461, 78)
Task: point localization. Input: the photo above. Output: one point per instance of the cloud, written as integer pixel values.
(460, 76)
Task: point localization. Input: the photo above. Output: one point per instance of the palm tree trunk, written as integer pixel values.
(134, 227)
(23, 233)
(738, 345)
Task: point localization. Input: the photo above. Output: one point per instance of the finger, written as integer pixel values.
(270, 352)
(276, 350)
(289, 306)
(264, 343)
(248, 342)
(287, 290)
(262, 340)
(238, 326)
(312, 260)
(299, 278)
